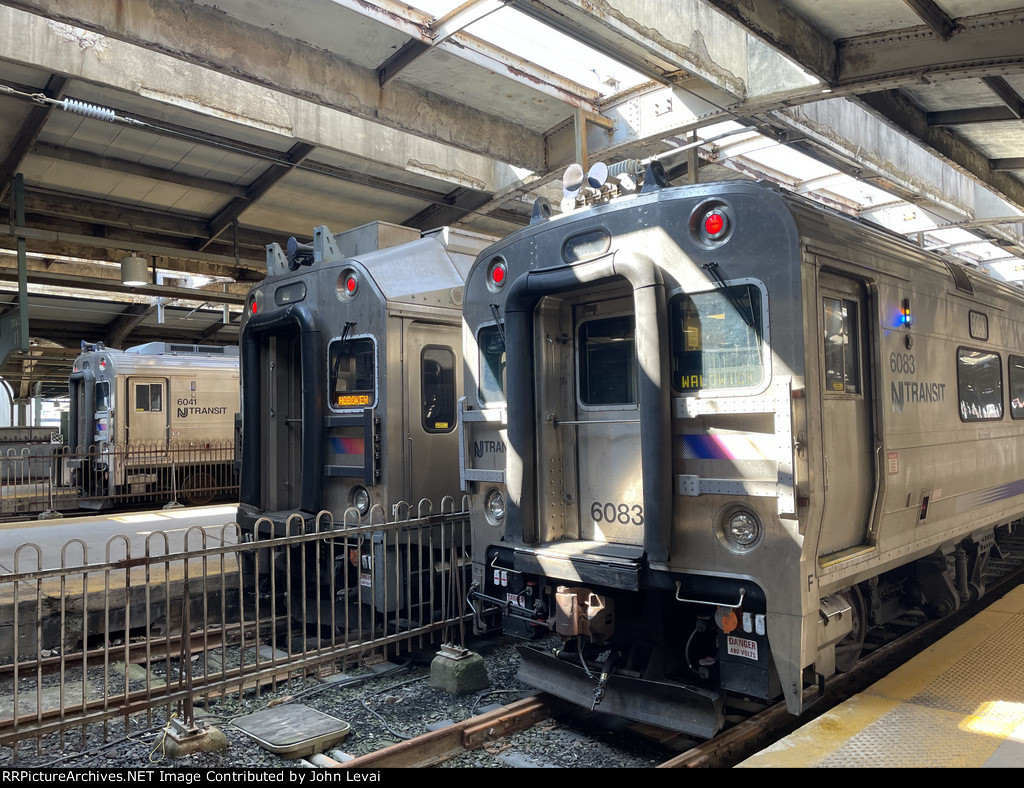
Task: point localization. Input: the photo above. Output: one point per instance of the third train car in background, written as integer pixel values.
(715, 433)
(351, 365)
(152, 421)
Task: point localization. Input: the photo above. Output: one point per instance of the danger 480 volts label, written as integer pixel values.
(741, 647)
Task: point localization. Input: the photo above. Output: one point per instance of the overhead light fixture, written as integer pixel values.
(134, 270)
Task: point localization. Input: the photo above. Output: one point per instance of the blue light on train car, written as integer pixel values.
(905, 316)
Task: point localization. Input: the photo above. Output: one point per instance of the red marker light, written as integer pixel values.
(350, 285)
(253, 307)
(497, 274)
(714, 223)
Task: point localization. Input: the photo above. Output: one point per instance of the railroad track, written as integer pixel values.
(727, 749)
(442, 745)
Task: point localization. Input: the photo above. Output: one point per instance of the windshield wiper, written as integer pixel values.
(712, 269)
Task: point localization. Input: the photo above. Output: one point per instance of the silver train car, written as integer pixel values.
(715, 433)
(152, 419)
(351, 369)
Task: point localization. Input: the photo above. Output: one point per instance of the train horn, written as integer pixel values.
(299, 254)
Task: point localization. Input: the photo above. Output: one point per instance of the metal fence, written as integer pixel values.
(165, 621)
(43, 477)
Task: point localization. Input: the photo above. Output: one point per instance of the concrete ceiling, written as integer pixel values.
(195, 133)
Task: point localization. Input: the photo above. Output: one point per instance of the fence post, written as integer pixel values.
(174, 483)
(50, 513)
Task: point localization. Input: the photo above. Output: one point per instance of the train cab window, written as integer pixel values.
(149, 397)
(607, 363)
(1016, 364)
(492, 364)
(716, 339)
(842, 346)
(437, 383)
(979, 379)
(103, 395)
(352, 382)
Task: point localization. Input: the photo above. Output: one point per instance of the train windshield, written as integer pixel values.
(716, 339)
(492, 364)
(103, 396)
(351, 372)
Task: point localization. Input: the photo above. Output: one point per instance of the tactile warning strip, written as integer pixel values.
(957, 720)
(954, 705)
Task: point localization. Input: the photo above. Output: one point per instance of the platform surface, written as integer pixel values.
(958, 704)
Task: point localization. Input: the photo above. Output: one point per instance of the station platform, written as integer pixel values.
(94, 532)
(957, 704)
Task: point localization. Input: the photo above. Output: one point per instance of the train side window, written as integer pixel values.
(607, 363)
(979, 379)
(492, 364)
(149, 397)
(1016, 381)
(437, 384)
(352, 371)
(103, 396)
(842, 346)
(716, 339)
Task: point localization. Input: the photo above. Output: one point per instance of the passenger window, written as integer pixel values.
(351, 382)
(716, 339)
(979, 378)
(437, 366)
(1016, 364)
(492, 364)
(149, 398)
(842, 346)
(103, 396)
(607, 363)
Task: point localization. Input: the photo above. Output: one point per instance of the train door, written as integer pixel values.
(607, 423)
(281, 420)
(847, 413)
(148, 422)
(432, 382)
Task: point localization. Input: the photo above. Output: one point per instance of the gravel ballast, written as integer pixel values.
(383, 705)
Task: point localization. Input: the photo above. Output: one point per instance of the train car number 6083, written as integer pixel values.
(621, 513)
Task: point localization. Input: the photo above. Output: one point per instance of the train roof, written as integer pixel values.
(154, 356)
(440, 260)
(811, 220)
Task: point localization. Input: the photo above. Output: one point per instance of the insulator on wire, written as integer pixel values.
(89, 110)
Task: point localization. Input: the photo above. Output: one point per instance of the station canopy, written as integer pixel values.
(193, 134)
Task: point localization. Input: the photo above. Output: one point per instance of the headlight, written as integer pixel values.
(744, 528)
(361, 500)
(494, 507)
(739, 529)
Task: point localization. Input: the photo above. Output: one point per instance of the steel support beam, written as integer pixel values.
(103, 285)
(933, 16)
(785, 32)
(127, 167)
(258, 188)
(869, 139)
(440, 30)
(1004, 90)
(896, 109)
(964, 117)
(282, 65)
(30, 130)
(984, 45)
